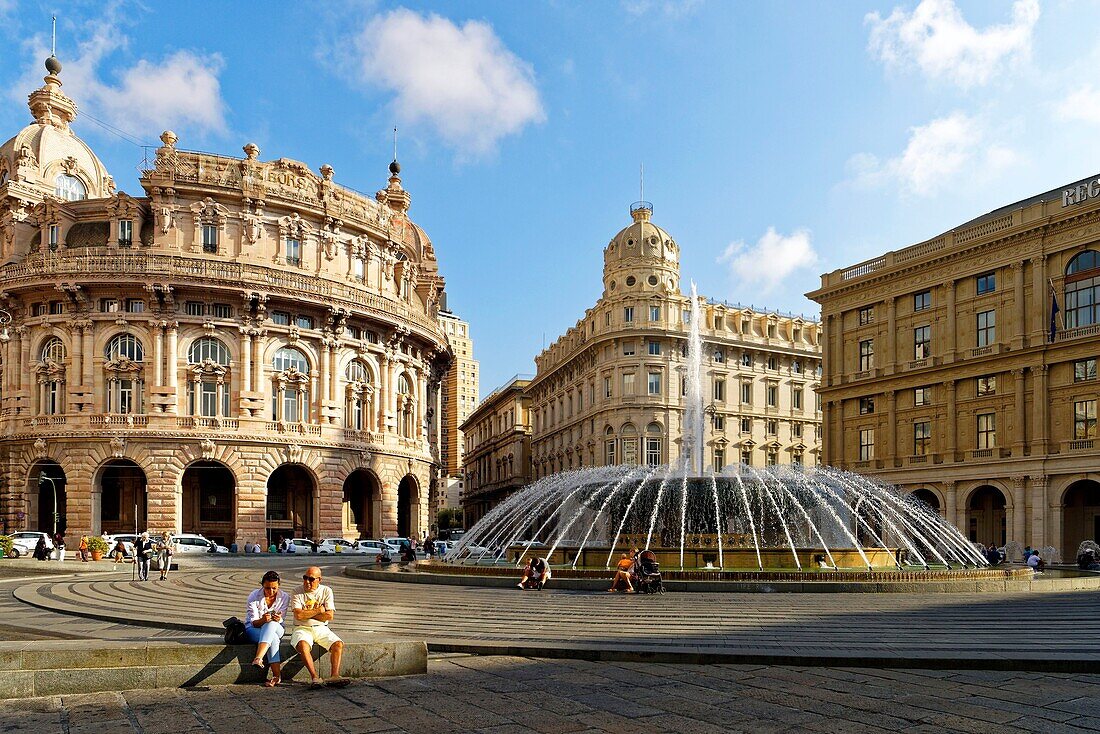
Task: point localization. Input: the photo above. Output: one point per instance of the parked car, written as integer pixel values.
(24, 541)
(441, 548)
(128, 540)
(302, 545)
(375, 547)
(196, 543)
(396, 542)
(340, 545)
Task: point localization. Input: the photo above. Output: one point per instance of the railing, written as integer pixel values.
(864, 268)
(213, 423)
(44, 420)
(981, 351)
(865, 374)
(918, 251)
(923, 459)
(981, 454)
(303, 429)
(918, 363)
(1079, 444)
(981, 230)
(127, 420)
(1077, 332)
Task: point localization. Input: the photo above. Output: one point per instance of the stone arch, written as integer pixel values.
(362, 505)
(104, 336)
(292, 502)
(38, 498)
(191, 334)
(44, 336)
(208, 492)
(1080, 503)
(987, 514)
(930, 496)
(120, 497)
(302, 345)
(408, 507)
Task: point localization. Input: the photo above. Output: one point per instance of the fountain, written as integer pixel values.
(732, 518)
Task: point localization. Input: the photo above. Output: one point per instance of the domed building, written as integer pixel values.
(247, 350)
(612, 389)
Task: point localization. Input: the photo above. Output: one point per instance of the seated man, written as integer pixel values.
(313, 609)
(1035, 562)
(535, 574)
(624, 572)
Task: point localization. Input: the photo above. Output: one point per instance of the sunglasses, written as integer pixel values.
(311, 578)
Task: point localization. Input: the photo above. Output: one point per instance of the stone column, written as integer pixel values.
(171, 366)
(326, 374)
(1018, 525)
(257, 361)
(422, 404)
(893, 456)
(891, 335)
(949, 448)
(1040, 398)
(837, 327)
(24, 355)
(1040, 318)
(1038, 514)
(951, 502)
(246, 361)
(1020, 432)
(89, 361)
(1019, 334)
(949, 322)
(840, 458)
(78, 353)
(158, 353)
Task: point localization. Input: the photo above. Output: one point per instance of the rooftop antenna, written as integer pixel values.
(641, 182)
(395, 142)
(53, 38)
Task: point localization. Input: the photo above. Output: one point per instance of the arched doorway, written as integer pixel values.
(928, 497)
(290, 505)
(123, 498)
(1080, 516)
(986, 516)
(209, 501)
(41, 505)
(408, 508)
(362, 509)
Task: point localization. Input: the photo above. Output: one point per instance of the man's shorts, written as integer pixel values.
(317, 635)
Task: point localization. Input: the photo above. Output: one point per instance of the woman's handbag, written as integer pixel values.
(234, 631)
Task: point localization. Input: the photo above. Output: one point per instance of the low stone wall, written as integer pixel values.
(53, 668)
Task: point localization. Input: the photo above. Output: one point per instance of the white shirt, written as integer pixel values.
(258, 606)
(1033, 560)
(319, 597)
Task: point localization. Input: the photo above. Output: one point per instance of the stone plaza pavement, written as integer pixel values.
(507, 695)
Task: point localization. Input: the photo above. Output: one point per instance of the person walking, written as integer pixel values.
(83, 550)
(59, 545)
(165, 551)
(119, 554)
(314, 607)
(143, 553)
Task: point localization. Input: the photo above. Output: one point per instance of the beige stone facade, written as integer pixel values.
(498, 449)
(459, 391)
(246, 350)
(611, 389)
(943, 376)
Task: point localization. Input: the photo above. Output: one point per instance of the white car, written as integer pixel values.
(127, 539)
(396, 542)
(301, 545)
(339, 545)
(192, 543)
(24, 542)
(375, 548)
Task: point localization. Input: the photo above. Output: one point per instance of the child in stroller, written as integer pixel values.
(649, 574)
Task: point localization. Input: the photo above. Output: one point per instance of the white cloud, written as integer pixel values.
(182, 91)
(459, 80)
(936, 156)
(1081, 104)
(666, 9)
(769, 262)
(937, 38)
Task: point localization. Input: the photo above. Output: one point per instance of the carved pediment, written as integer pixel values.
(123, 365)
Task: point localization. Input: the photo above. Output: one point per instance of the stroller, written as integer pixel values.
(649, 574)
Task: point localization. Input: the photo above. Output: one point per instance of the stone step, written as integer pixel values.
(51, 668)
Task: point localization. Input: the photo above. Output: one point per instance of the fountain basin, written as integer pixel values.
(707, 558)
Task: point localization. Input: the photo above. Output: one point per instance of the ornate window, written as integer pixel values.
(359, 394)
(1082, 295)
(406, 407)
(69, 188)
(51, 377)
(653, 444)
(290, 392)
(208, 385)
(609, 447)
(125, 374)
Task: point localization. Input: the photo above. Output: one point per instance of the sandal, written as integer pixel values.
(338, 682)
(317, 683)
(272, 682)
(258, 663)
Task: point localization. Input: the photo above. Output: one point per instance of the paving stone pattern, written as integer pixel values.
(506, 695)
(964, 627)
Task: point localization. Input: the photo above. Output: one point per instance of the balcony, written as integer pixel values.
(986, 350)
(208, 423)
(1077, 333)
(44, 420)
(119, 420)
(923, 459)
(301, 429)
(1078, 444)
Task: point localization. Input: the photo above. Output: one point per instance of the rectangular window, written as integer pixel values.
(746, 457)
(772, 331)
(922, 437)
(1084, 369)
(746, 425)
(719, 389)
(796, 399)
(922, 396)
(719, 458)
(653, 452)
(772, 457)
(135, 305)
(987, 328)
(628, 314)
(609, 452)
(746, 360)
(866, 354)
(57, 307)
(655, 348)
(866, 405)
(771, 427)
(359, 269)
(922, 342)
(654, 383)
(654, 313)
(209, 238)
(746, 327)
(773, 363)
(293, 252)
(922, 300)
(986, 283)
(55, 236)
(221, 311)
(772, 396)
(194, 308)
(628, 349)
(607, 318)
(108, 305)
(38, 309)
(866, 444)
(746, 393)
(282, 318)
(1084, 419)
(628, 383)
(987, 385)
(125, 232)
(987, 430)
(866, 315)
(796, 430)
(719, 423)
(303, 322)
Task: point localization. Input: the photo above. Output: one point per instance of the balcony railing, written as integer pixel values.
(119, 420)
(213, 423)
(1079, 444)
(302, 429)
(982, 453)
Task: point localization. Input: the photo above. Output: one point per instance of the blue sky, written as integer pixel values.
(780, 140)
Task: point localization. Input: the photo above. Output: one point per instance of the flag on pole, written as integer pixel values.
(1053, 311)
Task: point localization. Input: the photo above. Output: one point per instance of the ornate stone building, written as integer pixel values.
(498, 448)
(946, 374)
(246, 350)
(611, 389)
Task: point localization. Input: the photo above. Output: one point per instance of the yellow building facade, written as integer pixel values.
(946, 375)
(497, 460)
(246, 350)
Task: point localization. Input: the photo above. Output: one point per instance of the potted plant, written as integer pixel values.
(98, 546)
(6, 544)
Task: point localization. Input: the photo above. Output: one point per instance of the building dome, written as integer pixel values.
(641, 255)
(46, 156)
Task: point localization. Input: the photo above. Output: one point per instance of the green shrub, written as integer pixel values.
(5, 545)
(96, 543)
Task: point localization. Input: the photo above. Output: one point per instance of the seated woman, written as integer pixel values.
(263, 623)
(624, 571)
(535, 574)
